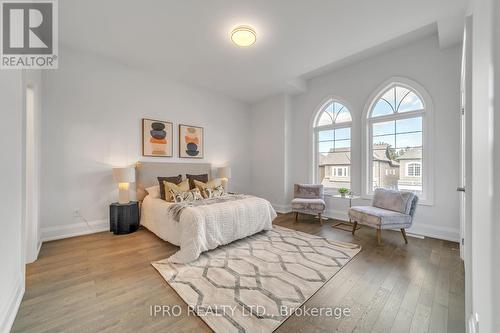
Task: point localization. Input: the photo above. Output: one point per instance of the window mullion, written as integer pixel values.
(404, 115)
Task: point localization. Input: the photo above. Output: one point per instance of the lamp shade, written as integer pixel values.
(124, 175)
(224, 172)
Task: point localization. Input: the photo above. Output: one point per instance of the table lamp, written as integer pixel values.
(225, 174)
(124, 176)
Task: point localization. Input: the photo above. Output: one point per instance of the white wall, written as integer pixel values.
(438, 70)
(11, 198)
(92, 121)
(268, 150)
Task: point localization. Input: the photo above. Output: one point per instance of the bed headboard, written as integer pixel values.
(147, 173)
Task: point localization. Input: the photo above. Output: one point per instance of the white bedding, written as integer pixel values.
(204, 228)
(155, 217)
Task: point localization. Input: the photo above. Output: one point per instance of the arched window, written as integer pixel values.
(397, 155)
(332, 141)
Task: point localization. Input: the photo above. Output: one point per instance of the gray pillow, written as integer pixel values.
(174, 179)
(201, 178)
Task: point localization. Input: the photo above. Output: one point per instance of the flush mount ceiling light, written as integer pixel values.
(243, 36)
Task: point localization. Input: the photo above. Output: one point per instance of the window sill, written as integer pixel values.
(331, 193)
(336, 195)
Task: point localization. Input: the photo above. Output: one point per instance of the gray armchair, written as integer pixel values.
(308, 199)
(389, 210)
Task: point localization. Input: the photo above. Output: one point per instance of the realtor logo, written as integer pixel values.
(29, 34)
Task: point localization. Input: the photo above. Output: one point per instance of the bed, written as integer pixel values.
(203, 227)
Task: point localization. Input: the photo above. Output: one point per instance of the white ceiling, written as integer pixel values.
(188, 40)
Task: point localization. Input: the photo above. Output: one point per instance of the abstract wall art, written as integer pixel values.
(190, 141)
(157, 138)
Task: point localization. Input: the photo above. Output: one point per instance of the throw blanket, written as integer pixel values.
(176, 210)
(209, 223)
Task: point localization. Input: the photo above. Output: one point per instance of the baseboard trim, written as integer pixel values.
(9, 312)
(282, 209)
(73, 230)
(34, 256)
(38, 248)
(433, 231)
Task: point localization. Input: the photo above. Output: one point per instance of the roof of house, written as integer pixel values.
(339, 156)
(342, 156)
(412, 154)
(380, 153)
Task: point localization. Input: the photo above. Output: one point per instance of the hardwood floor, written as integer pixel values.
(105, 283)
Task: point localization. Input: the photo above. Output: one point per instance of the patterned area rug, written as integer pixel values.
(254, 284)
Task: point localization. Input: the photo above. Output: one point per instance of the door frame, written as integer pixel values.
(466, 163)
(31, 204)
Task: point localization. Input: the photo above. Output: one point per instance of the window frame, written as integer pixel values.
(315, 134)
(427, 166)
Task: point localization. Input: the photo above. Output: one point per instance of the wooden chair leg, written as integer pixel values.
(354, 227)
(296, 216)
(320, 219)
(403, 231)
(379, 236)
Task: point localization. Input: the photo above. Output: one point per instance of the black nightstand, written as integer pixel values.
(123, 218)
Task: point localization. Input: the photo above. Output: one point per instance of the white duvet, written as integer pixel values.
(204, 228)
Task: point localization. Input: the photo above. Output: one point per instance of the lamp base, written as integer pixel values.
(224, 182)
(123, 195)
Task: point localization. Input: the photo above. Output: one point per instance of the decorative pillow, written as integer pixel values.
(174, 179)
(168, 187)
(201, 178)
(153, 191)
(191, 195)
(397, 201)
(209, 185)
(218, 191)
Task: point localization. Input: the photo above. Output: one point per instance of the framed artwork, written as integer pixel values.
(157, 138)
(190, 141)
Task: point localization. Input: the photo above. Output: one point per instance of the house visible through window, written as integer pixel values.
(332, 135)
(395, 127)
